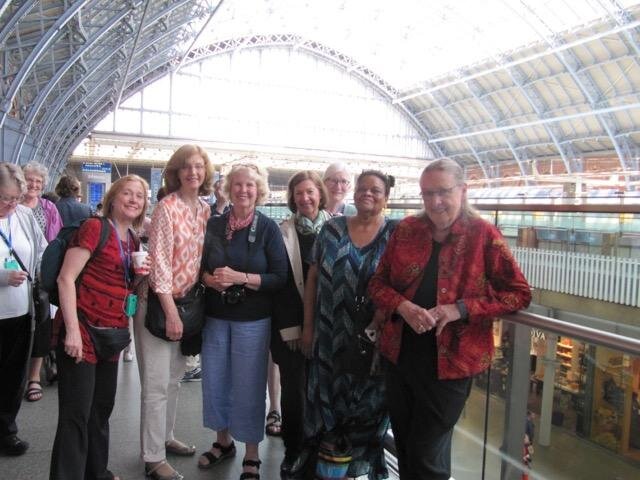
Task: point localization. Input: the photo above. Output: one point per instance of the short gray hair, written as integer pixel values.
(38, 169)
(335, 168)
(10, 172)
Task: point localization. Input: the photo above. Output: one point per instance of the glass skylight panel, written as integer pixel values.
(408, 42)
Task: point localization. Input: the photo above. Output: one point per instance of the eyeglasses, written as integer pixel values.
(7, 200)
(440, 193)
(338, 181)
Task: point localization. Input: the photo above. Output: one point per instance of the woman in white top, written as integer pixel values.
(21, 241)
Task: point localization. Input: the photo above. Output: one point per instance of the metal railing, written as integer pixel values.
(506, 451)
(601, 277)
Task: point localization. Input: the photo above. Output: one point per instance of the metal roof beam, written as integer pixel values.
(69, 120)
(587, 86)
(197, 37)
(543, 121)
(541, 108)
(65, 145)
(53, 111)
(35, 54)
(527, 59)
(457, 122)
(37, 103)
(132, 54)
(17, 16)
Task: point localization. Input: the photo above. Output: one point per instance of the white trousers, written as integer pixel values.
(161, 366)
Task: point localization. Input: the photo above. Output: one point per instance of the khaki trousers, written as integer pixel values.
(161, 366)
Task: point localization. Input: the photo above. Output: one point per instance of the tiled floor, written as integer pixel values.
(568, 458)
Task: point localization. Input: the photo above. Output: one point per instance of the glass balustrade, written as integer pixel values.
(582, 395)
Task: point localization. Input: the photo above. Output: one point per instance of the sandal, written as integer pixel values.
(33, 394)
(151, 470)
(274, 424)
(248, 475)
(225, 452)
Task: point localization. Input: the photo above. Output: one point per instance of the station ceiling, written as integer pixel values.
(491, 84)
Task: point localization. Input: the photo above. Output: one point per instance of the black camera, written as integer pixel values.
(233, 295)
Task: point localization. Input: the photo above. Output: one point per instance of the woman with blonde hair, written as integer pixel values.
(176, 239)
(100, 303)
(244, 264)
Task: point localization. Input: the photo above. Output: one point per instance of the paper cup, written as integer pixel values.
(138, 261)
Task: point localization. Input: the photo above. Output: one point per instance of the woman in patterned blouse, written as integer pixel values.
(175, 246)
(443, 277)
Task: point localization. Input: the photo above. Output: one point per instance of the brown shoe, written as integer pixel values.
(176, 447)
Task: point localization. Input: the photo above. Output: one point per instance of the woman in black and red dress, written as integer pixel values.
(87, 384)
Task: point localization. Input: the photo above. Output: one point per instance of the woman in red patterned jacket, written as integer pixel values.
(443, 277)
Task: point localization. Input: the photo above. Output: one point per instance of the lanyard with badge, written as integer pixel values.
(9, 263)
(131, 301)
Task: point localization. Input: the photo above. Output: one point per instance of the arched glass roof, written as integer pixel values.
(409, 41)
(503, 87)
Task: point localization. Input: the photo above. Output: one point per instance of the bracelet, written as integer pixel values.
(246, 279)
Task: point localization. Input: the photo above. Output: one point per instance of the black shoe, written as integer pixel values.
(12, 445)
(285, 466)
(194, 375)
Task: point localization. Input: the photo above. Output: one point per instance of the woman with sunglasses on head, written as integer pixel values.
(342, 404)
(444, 276)
(337, 181)
(20, 238)
(176, 240)
(101, 301)
(244, 264)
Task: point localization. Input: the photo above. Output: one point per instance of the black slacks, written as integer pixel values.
(86, 394)
(292, 383)
(423, 412)
(15, 341)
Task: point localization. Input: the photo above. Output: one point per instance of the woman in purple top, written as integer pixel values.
(50, 223)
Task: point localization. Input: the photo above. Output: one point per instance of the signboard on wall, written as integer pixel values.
(155, 183)
(96, 167)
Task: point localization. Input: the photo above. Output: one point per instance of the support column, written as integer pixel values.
(516, 406)
(544, 438)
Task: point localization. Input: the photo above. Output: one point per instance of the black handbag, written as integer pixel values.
(107, 341)
(358, 356)
(190, 309)
(41, 303)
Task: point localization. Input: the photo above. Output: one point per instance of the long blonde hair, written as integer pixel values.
(116, 187)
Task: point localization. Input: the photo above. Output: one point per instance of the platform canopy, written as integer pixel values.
(499, 85)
